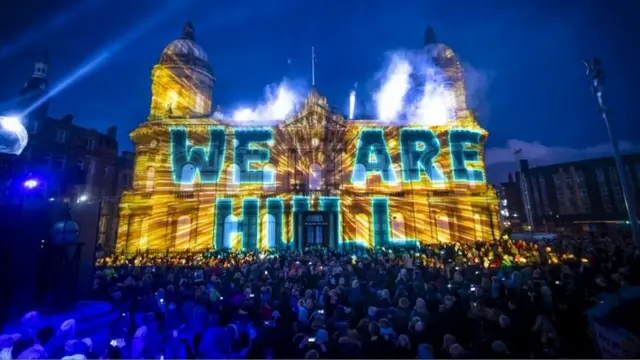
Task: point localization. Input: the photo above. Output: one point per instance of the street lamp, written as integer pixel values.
(596, 75)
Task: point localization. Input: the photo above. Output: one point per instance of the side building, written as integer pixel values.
(69, 163)
(574, 196)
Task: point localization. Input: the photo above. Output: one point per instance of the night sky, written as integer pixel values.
(523, 59)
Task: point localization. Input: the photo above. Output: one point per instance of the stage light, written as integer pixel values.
(82, 198)
(13, 135)
(31, 184)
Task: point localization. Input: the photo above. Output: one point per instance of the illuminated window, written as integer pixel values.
(183, 233)
(269, 224)
(397, 226)
(187, 177)
(172, 100)
(230, 231)
(315, 177)
(477, 223)
(151, 172)
(362, 228)
(61, 136)
(143, 242)
(444, 232)
(91, 144)
(268, 177)
(199, 103)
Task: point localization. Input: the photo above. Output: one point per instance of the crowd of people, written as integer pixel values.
(506, 299)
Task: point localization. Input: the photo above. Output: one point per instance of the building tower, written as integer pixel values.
(449, 72)
(182, 82)
(34, 89)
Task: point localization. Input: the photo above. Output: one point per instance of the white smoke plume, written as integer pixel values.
(280, 101)
(411, 89)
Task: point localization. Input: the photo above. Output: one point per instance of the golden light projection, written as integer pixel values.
(316, 179)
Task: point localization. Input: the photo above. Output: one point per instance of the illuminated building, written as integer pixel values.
(201, 182)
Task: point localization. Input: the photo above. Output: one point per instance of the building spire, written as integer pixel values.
(189, 32)
(41, 67)
(430, 36)
(313, 66)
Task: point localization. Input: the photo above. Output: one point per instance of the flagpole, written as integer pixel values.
(313, 66)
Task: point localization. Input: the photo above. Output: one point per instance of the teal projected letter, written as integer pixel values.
(249, 222)
(188, 160)
(246, 155)
(383, 224)
(381, 232)
(275, 223)
(300, 206)
(418, 149)
(332, 206)
(372, 156)
(226, 225)
(460, 141)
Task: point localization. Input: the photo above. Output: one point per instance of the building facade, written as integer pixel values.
(580, 195)
(201, 182)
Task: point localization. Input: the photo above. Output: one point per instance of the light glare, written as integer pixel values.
(31, 184)
(13, 135)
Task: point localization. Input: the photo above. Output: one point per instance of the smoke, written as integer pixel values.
(411, 89)
(280, 101)
(390, 97)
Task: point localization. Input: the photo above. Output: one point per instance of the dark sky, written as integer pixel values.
(523, 58)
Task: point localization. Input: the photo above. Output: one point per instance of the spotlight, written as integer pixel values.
(31, 184)
(13, 135)
(82, 198)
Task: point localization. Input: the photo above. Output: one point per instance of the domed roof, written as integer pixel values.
(185, 47)
(185, 51)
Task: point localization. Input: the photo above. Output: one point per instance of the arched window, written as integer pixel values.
(362, 228)
(233, 177)
(397, 226)
(444, 232)
(477, 223)
(187, 177)
(359, 176)
(269, 224)
(230, 231)
(269, 177)
(143, 243)
(315, 177)
(151, 173)
(183, 233)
